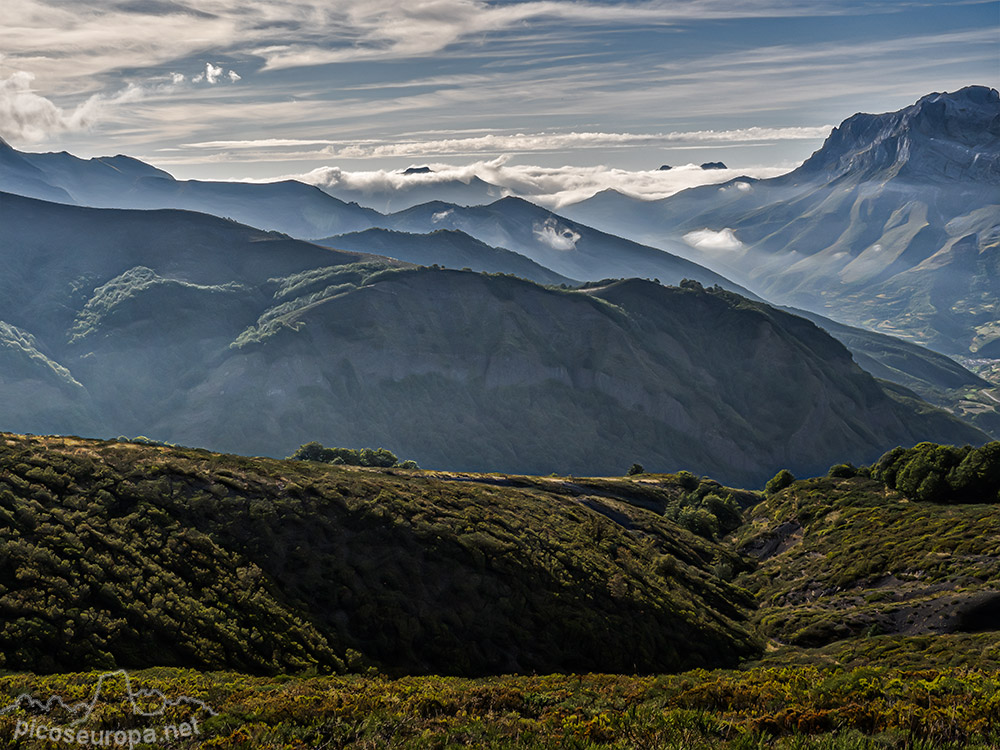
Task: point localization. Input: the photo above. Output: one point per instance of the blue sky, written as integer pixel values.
(245, 88)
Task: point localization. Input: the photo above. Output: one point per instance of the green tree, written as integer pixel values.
(977, 478)
(635, 469)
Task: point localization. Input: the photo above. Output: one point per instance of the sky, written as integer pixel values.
(577, 92)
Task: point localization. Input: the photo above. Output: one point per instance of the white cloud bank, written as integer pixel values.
(517, 142)
(549, 186)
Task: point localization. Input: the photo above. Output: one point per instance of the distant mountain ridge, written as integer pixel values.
(893, 225)
(306, 212)
(435, 233)
(943, 137)
(567, 247)
(290, 207)
(446, 247)
(201, 331)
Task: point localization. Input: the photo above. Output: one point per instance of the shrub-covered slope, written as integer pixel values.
(802, 708)
(117, 554)
(847, 557)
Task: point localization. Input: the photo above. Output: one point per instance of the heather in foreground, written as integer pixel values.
(799, 707)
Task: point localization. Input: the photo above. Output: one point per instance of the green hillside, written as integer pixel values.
(833, 613)
(848, 557)
(125, 555)
(204, 332)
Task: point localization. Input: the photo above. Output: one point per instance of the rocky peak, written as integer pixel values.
(943, 137)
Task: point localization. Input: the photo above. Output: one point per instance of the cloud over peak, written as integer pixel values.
(549, 186)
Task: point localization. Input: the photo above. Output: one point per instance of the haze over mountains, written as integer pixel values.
(203, 331)
(892, 225)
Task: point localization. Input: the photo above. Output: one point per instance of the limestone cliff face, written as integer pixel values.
(941, 138)
(893, 225)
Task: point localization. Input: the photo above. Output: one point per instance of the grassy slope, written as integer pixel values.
(127, 555)
(843, 558)
(265, 565)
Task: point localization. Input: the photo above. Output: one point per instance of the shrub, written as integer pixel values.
(843, 471)
(942, 473)
(635, 469)
(779, 481)
(364, 457)
(687, 480)
(699, 521)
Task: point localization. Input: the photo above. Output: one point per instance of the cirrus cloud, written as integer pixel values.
(524, 142)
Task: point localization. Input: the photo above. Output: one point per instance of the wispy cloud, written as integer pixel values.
(70, 41)
(521, 142)
(393, 29)
(25, 115)
(518, 67)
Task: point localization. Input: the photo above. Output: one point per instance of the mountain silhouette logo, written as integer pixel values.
(113, 688)
(137, 698)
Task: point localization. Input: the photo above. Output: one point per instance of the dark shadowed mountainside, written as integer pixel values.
(200, 331)
(223, 562)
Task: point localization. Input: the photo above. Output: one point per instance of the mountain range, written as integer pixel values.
(123, 182)
(202, 331)
(893, 225)
(306, 212)
(549, 353)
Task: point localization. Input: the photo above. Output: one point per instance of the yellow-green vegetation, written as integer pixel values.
(856, 616)
(977, 651)
(801, 707)
(848, 557)
(133, 555)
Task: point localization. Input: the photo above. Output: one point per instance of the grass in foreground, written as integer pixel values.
(799, 707)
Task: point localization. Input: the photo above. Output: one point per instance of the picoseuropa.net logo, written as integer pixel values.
(127, 717)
